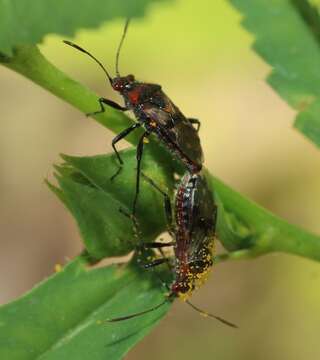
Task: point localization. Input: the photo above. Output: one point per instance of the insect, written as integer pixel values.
(156, 113)
(192, 224)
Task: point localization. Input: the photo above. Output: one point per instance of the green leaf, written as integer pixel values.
(85, 187)
(24, 22)
(287, 35)
(64, 317)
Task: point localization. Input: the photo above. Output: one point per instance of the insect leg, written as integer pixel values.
(111, 103)
(143, 246)
(135, 224)
(157, 245)
(167, 203)
(196, 122)
(155, 263)
(119, 137)
(140, 249)
(152, 264)
(139, 158)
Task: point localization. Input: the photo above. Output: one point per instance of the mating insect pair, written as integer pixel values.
(192, 220)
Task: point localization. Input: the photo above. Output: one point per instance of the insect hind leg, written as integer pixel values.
(139, 154)
(166, 201)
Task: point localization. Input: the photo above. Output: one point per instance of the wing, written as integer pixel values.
(174, 126)
(204, 213)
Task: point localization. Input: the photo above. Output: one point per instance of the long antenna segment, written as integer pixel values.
(120, 45)
(127, 317)
(92, 57)
(206, 314)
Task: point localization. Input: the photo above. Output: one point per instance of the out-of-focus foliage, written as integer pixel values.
(26, 23)
(287, 36)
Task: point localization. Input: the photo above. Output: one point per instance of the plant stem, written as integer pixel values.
(267, 232)
(29, 62)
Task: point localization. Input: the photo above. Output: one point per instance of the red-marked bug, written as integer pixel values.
(192, 225)
(156, 113)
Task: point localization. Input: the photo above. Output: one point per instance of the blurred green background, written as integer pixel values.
(201, 56)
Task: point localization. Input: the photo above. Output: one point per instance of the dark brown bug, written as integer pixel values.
(156, 113)
(192, 225)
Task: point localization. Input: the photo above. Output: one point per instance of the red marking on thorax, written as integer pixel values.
(134, 96)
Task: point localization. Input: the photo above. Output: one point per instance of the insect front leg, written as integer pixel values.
(196, 122)
(116, 139)
(108, 102)
(159, 246)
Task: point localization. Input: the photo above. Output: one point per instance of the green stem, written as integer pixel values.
(246, 226)
(269, 233)
(29, 62)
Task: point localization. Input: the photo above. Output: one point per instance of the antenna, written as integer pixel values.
(206, 314)
(120, 45)
(92, 57)
(202, 312)
(121, 318)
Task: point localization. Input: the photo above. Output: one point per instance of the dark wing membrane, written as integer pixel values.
(188, 141)
(159, 116)
(204, 213)
(160, 109)
(175, 126)
(183, 132)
